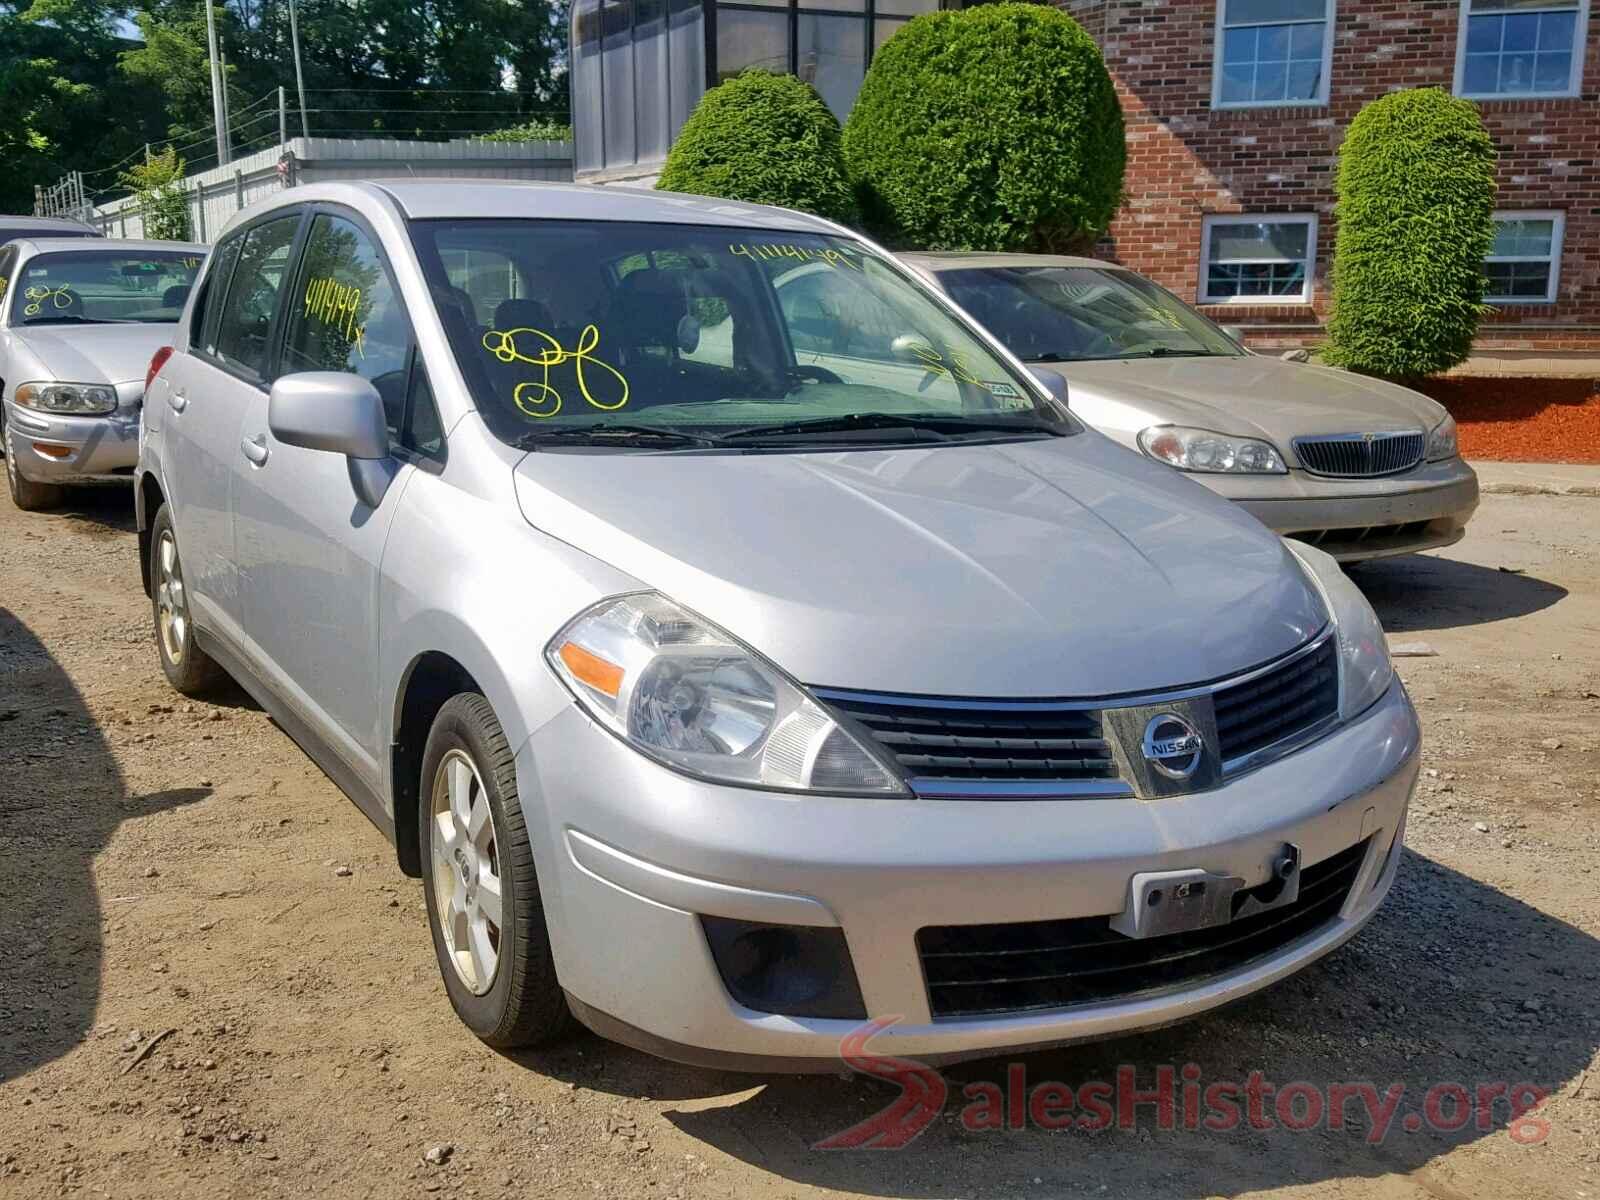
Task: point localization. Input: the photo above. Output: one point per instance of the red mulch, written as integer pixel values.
(1523, 420)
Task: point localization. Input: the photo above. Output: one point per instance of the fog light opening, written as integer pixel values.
(791, 970)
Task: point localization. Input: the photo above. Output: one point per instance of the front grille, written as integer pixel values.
(1359, 455)
(960, 741)
(978, 970)
(1278, 703)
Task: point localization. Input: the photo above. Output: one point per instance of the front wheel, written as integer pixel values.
(484, 911)
(25, 493)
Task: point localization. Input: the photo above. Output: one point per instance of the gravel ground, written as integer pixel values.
(215, 983)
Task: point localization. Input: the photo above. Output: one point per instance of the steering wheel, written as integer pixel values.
(819, 374)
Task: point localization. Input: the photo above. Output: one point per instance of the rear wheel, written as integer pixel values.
(484, 911)
(188, 668)
(25, 493)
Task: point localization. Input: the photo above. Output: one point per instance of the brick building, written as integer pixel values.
(1235, 112)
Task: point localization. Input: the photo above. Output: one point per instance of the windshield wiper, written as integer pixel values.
(30, 322)
(607, 433)
(1172, 352)
(942, 428)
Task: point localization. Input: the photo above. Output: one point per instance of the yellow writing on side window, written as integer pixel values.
(339, 308)
(4, 283)
(60, 297)
(539, 398)
(763, 253)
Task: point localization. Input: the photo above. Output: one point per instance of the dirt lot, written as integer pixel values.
(179, 869)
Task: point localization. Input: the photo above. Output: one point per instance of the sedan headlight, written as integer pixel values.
(682, 691)
(1212, 453)
(1442, 441)
(69, 399)
(1365, 671)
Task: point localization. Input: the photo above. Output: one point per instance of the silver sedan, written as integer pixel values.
(80, 320)
(1357, 466)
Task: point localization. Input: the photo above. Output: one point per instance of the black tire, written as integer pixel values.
(26, 494)
(523, 1004)
(189, 669)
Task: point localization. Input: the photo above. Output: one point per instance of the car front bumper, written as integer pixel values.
(1354, 519)
(51, 448)
(631, 854)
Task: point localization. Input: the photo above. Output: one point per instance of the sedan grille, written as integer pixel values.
(980, 970)
(1278, 704)
(1360, 455)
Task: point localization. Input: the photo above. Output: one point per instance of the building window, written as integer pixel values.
(1272, 52)
(1520, 47)
(1524, 264)
(1258, 259)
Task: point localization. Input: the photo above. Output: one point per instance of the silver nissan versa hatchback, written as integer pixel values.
(733, 674)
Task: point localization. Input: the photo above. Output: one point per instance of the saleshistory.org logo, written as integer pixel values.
(1174, 1098)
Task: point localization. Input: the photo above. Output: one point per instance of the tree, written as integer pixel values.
(163, 205)
(766, 139)
(1415, 210)
(994, 128)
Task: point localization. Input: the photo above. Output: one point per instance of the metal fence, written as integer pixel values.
(215, 195)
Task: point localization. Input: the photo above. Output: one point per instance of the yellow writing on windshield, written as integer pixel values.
(955, 366)
(192, 264)
(60, 297)
(537, 398)
(338, 307)
(763, 253)
(4, 282)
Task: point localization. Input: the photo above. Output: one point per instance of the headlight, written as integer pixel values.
(1365, 671)
(684, 692)
(1213, 453)
(72, 399)
(1442, 441)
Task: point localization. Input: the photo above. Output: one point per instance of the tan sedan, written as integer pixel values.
(1357, 466)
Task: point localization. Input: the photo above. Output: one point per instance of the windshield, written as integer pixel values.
(1069, 314)
(103, 286)
(578, 329)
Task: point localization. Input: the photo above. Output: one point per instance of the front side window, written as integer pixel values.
(1257, 260)
(102, 287)
(213, 291)
(244, 324)
(1272, 52)
(1523, 263)
(1521, 47)
(707, 333)
(1073, 314)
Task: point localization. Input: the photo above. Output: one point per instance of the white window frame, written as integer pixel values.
(1579, 47)
(1558, 233)
(1211, 221)
(1320, 100)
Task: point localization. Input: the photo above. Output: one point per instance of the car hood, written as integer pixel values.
(1250, 395)
(1059, 567)
(96, 353)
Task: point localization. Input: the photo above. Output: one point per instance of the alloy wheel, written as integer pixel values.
(172, 601)
(466, 871)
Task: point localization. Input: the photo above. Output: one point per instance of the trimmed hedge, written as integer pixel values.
(992, 128)
(1415, 205)
(766, 139)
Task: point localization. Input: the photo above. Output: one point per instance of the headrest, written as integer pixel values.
(175, 296)
(522, 313)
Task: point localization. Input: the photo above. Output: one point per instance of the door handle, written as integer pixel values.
(177, 399)
(255, 449)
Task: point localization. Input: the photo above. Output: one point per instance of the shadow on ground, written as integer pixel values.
(1431, 993)
(61, 799)
(1423, 592)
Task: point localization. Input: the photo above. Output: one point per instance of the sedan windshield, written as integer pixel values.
(580, 332)
(93, 287)
(1070, 314)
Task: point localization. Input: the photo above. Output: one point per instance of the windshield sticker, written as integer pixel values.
(60, 297)
(539, 398)
(1002, 389)
(833, 258)
(339, 308)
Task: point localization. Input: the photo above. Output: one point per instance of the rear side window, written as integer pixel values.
(214, 289)
(244, 328)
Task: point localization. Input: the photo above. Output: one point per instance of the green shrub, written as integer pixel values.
(1415, 219)
(993, 128)
(157, 183)
(533, 131)
(765, 139)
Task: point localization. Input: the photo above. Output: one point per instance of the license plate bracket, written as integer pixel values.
(1183, 901)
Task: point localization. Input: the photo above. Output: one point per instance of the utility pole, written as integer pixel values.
(219, 112)
(299, 75)
(283, 118)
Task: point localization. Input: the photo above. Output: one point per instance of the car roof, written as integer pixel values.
(45, 245)
(424, 199)
(43, 225)
(956, 260)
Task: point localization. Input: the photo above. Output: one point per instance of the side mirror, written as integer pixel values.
(340, 414)
(1053, 382)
